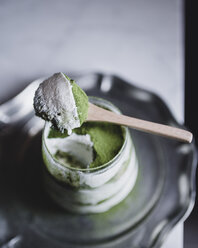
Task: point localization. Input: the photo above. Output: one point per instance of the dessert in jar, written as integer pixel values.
(89, 167)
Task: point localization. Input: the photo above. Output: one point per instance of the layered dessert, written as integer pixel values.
(89, 166)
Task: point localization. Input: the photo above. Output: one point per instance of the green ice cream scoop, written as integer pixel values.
(61, 101)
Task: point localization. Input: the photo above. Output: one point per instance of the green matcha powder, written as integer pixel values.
(81, 100)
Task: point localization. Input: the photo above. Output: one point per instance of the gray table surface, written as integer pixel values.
(139, 40)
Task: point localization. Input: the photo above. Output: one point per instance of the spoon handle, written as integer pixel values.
(96, 113)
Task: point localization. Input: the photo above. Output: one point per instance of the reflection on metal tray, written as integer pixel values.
(163, 195)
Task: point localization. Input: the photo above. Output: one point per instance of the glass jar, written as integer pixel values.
(91, 190)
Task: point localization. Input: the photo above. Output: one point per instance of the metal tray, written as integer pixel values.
(163, 195)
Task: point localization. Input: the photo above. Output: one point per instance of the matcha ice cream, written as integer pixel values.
(61, 101)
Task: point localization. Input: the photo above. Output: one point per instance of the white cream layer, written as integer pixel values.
(78, 146)
(54, 97)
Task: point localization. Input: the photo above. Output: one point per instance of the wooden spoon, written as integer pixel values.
(96, 113)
